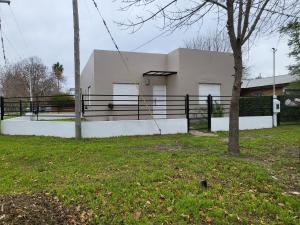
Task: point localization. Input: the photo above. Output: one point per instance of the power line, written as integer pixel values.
(13, 47)
(123, 59)
(151, 40)
(111, 36)
(19, 56)
(166, 31)
(280, 13)
(18, 27)
(2, 42)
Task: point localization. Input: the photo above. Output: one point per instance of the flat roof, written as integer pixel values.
(159, 73)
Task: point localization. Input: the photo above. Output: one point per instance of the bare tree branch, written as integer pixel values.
(215, 41)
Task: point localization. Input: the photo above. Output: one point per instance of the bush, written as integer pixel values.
(256, 106)
(288, 113)
(62, 100)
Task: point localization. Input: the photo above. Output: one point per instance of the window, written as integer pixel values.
(209, 89)
(125, 94)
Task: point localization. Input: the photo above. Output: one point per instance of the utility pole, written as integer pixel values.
(77, 71)
(274, 100)
(274, 72)
(31, 90)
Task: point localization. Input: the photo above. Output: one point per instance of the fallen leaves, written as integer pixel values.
(292, 193)
(40, 208)
(137, 215)
(209, 219)
(170, 209)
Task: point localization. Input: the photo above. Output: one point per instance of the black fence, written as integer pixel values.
(197, 109)
(135, 107)
(39, 107)
(199, 112)
(290, 109)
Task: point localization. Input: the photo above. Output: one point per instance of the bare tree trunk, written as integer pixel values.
(234, 145)
(77, 71)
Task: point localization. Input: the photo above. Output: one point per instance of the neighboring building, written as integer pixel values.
(264, 86)
(181, 72)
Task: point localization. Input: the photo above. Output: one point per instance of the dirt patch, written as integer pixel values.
(39, 209)
(249, 159)
(203, 134)
(168, 147)
(294, 152)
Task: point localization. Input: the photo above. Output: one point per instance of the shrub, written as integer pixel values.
(62, 100)
(256, 106)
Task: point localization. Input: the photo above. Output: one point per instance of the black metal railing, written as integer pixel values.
(198, 110)
(38, 107)
(133, 106)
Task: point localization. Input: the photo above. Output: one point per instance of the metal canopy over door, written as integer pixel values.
(159, 102)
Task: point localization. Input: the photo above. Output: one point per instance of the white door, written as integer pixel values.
(159, 102)
(209, 89)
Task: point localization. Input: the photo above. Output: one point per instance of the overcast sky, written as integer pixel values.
(44, 28)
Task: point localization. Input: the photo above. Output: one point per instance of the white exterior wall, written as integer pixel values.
(246, 123)
(96, 129)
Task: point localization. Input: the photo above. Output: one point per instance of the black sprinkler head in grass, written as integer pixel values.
(203, 184)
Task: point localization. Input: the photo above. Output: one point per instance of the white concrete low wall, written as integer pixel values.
(246, 123)
(95, 129)
(133, 127)
(38, 128)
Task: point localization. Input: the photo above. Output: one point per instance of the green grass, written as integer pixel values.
(158, 177)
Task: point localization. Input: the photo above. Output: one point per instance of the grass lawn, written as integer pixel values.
(155, 179)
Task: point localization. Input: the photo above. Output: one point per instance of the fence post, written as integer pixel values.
(37, 109)
(138, 107)
(82, 104)
(209, 111)
(31, 106)
(2, 107)
(21, 108)
(187, 110)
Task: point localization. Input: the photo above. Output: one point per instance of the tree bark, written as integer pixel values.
(233, 145)
(77, 71)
